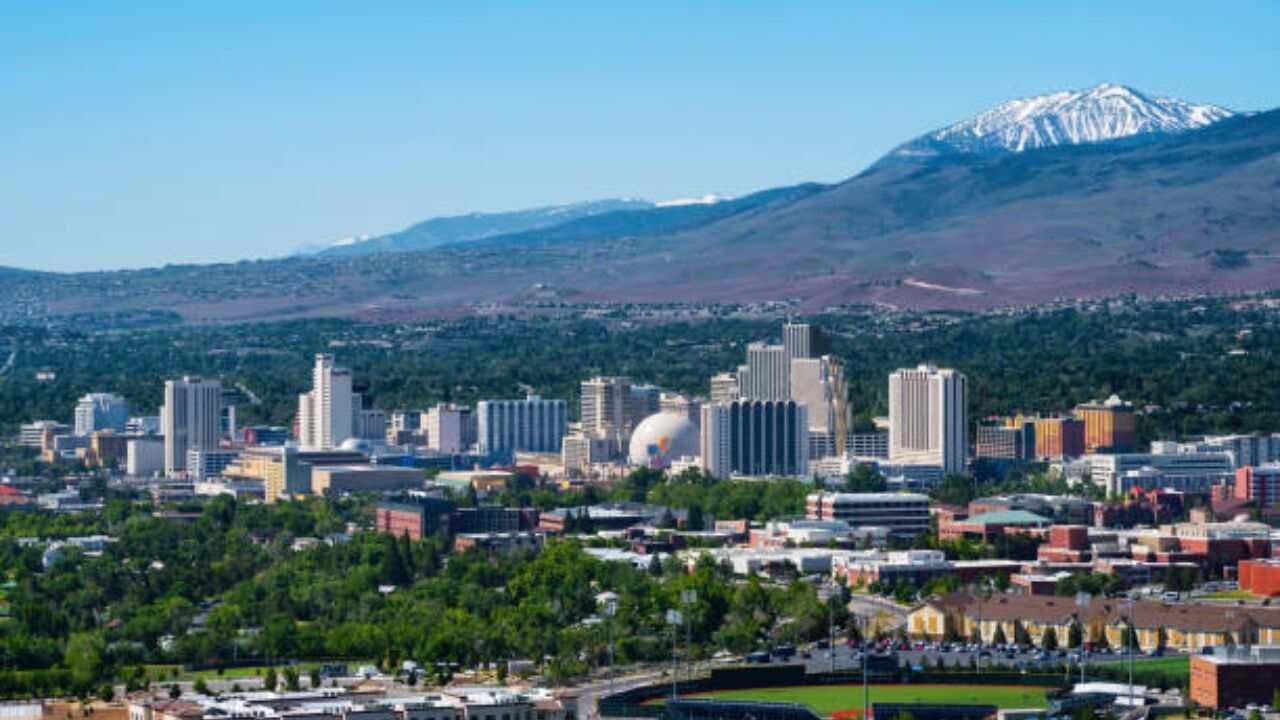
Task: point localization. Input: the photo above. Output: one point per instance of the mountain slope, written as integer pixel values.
(1189, 212)
(1085, 219)
(476, 226)
(1103, 113)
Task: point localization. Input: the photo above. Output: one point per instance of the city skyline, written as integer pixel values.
(159, 135)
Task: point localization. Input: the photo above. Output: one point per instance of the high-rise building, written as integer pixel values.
(928, 418)
(369, 424)
(446, 427)
(755, 438)
(530, 425)
(101, 411)
(1003, 441)
(144, 457)
(189, 419)
(644, 400)
(768, 375)
(327, 414)
(819, 383)
(1056, 437)
(680, 405)
(1109, 426)
(724, 388)
(801, 340)
(605, 406)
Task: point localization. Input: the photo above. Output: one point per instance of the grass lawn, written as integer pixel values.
(1177, 666)
(1230, 595)
(828, 699)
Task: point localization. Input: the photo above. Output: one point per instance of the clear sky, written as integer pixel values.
(140, 133)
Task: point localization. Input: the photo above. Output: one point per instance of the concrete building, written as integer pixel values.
(33, 434)
(819, 384)
(532, 424)
(340, 479)
(869, 445)
(326, 415)
(144, 457)
(1109, 470)
(802, 340)
(724, 388)
(448, 428)
(755, 438)
(680, 405)
(101, 411)
(205, 463)
(1002, 441)
(928, 418)
(1109, 426)
(190, 419)
(905, 514)
(606, 404)
(767, 374)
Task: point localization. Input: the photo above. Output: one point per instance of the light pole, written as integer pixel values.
(610, 611)
(674, 620)
(687, 599)
(827, 594)
(1130, 636)
(866, 685)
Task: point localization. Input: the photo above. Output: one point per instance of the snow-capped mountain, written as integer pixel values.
(1074, 117)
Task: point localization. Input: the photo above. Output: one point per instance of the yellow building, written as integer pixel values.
(1109, 426)
(1187, 627)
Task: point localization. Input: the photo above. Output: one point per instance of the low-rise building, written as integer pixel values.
(339, 479)
(1234, 677)
(905, 514)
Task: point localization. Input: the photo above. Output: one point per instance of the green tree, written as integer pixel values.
(200, 686)
(1050, 639)
(999, 638)
(84, 658)
(269, 679)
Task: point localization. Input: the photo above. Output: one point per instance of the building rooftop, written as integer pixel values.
(1009, 517)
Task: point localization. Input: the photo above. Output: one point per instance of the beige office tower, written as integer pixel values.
(819, 384)
(928, 418)
(605, 402)
(724, 388)
(190, 420)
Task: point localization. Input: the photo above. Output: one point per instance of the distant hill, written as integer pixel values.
(477, 226)
(1185, 210)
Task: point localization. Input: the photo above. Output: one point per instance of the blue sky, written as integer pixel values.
(135, 134)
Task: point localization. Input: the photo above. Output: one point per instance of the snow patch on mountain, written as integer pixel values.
(1106, 112)
(709, 199)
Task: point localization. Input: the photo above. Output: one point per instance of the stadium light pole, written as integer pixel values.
(610, 611)
(687, 599)
(674, 620)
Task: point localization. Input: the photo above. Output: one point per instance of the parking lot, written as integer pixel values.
(960, 655)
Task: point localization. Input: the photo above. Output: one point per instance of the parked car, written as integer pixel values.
(758, 657)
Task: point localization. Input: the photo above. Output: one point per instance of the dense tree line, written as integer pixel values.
(230, 585)
(1203, 366)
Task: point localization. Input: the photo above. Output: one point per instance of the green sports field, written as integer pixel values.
(828, 699)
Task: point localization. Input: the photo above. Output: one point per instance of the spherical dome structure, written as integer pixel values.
(357, 445)
(661, 438)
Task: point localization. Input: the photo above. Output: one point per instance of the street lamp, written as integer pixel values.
(1130, 636)
(674, 619)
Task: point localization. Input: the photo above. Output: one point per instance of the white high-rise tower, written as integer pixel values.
(326, 414)
(928, 418)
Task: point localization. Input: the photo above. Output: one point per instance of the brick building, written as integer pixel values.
(1260, 577)
(1235, 677)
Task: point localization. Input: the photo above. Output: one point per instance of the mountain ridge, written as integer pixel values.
(1106, 112)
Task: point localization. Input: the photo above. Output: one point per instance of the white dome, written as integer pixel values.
(356, 444)
(661, 438)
